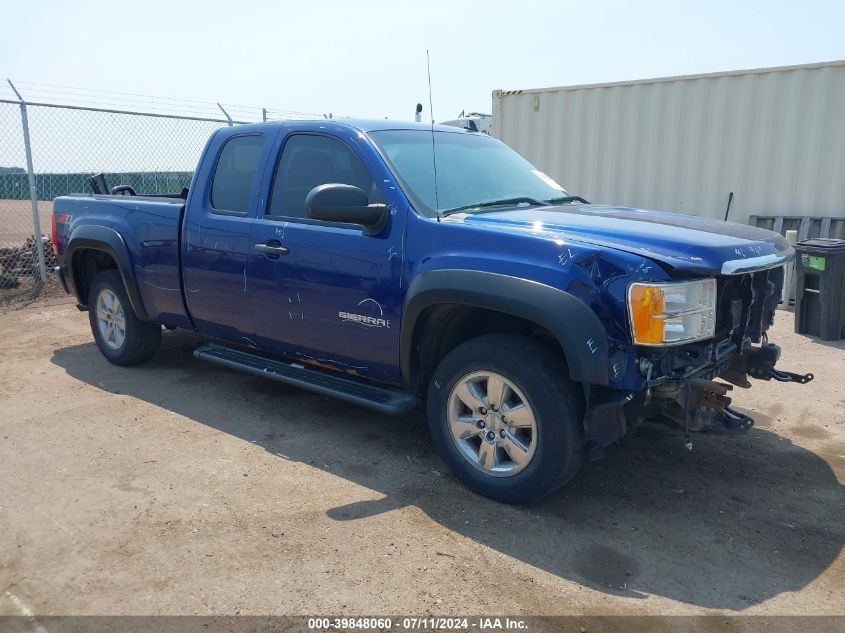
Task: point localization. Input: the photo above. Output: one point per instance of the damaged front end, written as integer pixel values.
(677, 383)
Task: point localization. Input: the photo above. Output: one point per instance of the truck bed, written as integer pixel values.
(146, 198)
(150, 228)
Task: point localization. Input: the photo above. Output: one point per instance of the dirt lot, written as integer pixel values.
(16, 220)
(182, 488)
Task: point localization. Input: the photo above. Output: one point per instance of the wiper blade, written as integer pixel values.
(567, 200)
(496, 203)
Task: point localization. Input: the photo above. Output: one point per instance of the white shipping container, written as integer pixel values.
(773, 136)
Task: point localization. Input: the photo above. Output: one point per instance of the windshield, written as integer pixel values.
(472, 169)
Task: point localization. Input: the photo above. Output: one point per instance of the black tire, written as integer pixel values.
(557, 403)
(141, 340)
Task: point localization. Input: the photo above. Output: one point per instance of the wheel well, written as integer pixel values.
(441, 328)
(87, 263)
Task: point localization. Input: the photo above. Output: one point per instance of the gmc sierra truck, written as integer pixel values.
(394, 265)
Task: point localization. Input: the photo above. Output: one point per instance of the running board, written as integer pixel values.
(384, 400)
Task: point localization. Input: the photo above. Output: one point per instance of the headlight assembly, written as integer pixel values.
(672, 313)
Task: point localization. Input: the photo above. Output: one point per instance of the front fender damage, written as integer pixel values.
(687, 386)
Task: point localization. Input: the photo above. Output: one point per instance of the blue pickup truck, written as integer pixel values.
(394, 265)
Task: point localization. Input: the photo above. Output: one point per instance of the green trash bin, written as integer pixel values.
(820, 288)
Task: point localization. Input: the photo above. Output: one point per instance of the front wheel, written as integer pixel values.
(120, 335)
(506, 418)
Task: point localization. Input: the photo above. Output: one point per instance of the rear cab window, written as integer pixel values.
(234, 176)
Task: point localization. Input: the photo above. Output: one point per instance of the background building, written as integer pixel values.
(775, 137)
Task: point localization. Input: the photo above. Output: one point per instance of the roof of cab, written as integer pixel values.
(375, 125)
(363, 125)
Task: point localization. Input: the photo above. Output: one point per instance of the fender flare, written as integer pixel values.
(581, 334)
(109, 241)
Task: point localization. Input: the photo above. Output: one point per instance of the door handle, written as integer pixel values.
(272, 248)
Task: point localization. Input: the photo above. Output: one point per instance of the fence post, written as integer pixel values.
(228, 118)
(33, 197)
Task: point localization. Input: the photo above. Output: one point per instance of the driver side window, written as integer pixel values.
(309, 160)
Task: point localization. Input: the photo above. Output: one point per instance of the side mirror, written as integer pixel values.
(347, 204)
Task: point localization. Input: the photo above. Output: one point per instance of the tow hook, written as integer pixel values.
(736, 422)
(760, 364)
(788, 376)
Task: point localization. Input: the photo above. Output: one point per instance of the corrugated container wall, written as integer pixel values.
(775, 137)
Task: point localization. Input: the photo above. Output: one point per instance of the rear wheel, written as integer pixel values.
(506, 418)
(120, 335)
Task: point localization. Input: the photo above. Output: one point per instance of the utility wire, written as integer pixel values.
(123, 100)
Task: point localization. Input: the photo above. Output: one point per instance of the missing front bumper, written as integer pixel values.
(692, 401)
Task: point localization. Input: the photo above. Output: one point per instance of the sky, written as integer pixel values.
(368, 58)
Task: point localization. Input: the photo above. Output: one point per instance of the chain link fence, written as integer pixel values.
(153, 152)
(19, 271)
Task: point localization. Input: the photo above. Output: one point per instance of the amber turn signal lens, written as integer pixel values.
(647, 306)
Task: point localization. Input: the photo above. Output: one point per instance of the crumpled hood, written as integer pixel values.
(686, 243)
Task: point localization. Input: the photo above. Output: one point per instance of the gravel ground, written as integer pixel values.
(182, 488)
